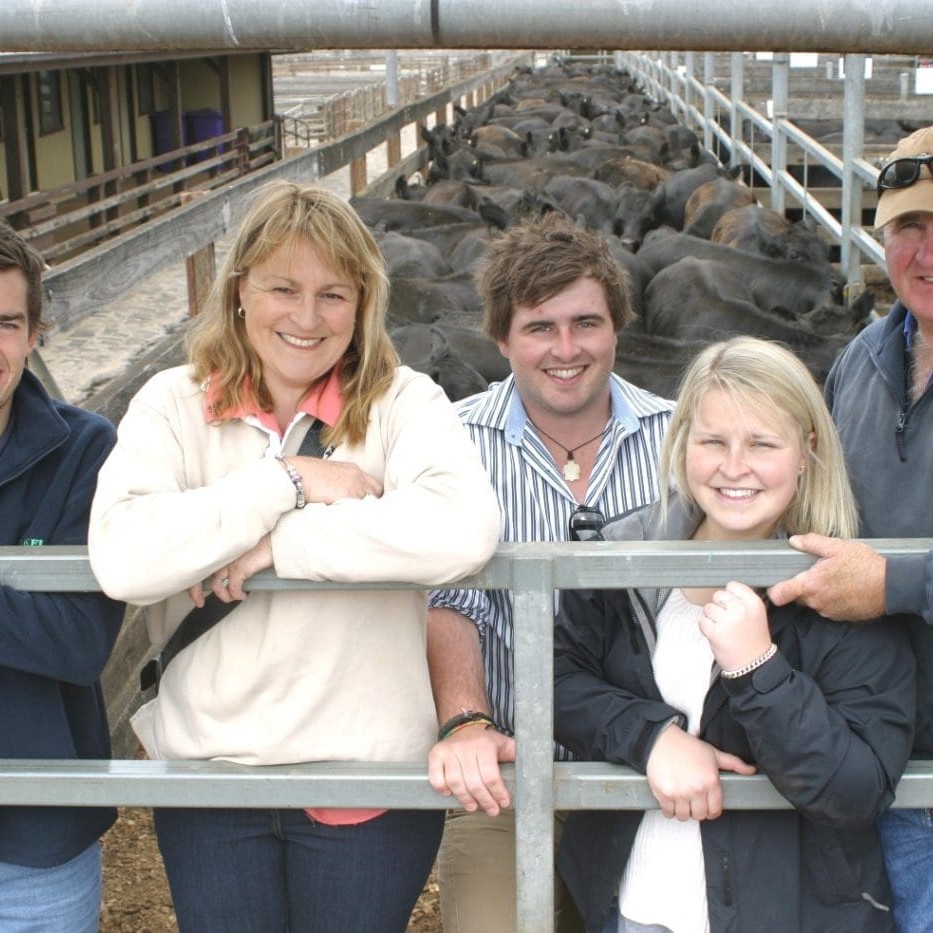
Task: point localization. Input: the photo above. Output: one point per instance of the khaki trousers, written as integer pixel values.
(476, 874)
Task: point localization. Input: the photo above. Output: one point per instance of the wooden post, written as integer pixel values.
(199, 271)
(242, 150)
(199, 268)
(357, 175)
(394, 149)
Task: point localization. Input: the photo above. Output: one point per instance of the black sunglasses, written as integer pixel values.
(902, 173)
(586, 524)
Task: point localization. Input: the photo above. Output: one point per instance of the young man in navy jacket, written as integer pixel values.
(53, 646)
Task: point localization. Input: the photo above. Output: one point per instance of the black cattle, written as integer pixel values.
(705, 300)
(412, 256)
(672, 194)
(471, 344)
(513, 203)
(406, 191)
(379, 213)
(425, 349)
(644, 175)
(526, 173)
(446, 193)
(761, 230)
(461, 164)
(592, 203)
(642, 211)
(653, 362)
(637, 215)
(637, 280)
(509, 141)
(445, 237)
(773, 284)
(710, 201)
(425, 300)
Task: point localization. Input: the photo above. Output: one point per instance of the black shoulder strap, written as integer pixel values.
(311, 445)
(203, 618)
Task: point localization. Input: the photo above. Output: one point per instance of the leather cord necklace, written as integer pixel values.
(571, 469)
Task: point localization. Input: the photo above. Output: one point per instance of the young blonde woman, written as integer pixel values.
(206, 482)
(684, 684)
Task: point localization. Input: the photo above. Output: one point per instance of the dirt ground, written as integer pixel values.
(136, 897)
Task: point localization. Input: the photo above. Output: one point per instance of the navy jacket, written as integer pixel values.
(53, 646)
(828, 719)
(889, 456)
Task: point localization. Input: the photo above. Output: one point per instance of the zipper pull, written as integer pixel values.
(899, 426)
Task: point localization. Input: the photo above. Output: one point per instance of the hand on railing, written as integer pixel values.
(466, 765)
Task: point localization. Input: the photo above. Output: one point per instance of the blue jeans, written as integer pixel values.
(268, 871)
(61, 899)
(907, 842)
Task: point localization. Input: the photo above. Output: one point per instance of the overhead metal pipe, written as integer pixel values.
(867, 26)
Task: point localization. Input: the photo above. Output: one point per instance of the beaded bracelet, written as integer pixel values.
(295, 477)
(466, 718)
(767, 655)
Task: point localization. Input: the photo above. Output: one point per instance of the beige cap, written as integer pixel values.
(917, 197)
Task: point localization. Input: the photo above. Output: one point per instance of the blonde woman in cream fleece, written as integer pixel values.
(205, 483)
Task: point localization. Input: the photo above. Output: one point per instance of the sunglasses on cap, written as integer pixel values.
(902, 173)
(586, 524)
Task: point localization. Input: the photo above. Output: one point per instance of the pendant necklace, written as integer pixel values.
(571, 469)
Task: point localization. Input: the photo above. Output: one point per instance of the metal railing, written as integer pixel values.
(701, 105)
(64, 221)
(539, 786)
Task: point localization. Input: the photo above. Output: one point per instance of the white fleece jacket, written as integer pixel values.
(295, 675)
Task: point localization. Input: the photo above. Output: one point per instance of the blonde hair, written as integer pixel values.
(770, 376)
(284, 214)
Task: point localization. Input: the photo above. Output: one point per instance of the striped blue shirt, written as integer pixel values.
(536, 502)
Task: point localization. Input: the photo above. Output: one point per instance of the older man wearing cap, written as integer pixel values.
(879, 393)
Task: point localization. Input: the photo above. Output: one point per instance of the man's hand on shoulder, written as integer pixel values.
(846, 583)
(466, 765)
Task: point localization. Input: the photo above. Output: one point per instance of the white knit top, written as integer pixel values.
(665, 878)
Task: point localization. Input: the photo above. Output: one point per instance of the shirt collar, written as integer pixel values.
(516, 417)
(324, 402)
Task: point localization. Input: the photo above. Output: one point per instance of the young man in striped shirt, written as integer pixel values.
(563, 439)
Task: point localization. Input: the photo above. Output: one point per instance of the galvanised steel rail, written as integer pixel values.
(899, 26)
(539, 786)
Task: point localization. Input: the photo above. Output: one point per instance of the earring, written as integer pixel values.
(801, 468)
(240, 313)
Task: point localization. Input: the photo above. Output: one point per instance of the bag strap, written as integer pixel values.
(202, 619)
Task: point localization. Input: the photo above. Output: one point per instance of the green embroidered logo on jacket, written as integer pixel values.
(32, 542)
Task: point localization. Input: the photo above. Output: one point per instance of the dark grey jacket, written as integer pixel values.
(889, 455)
(828, 720)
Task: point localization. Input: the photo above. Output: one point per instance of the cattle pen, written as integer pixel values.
(532, 572)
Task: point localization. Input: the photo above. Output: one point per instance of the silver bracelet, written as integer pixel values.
(295, 477)
(752, 665)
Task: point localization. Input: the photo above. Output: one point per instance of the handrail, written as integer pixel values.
(532, 572)
(112, 202)
(580, 785)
